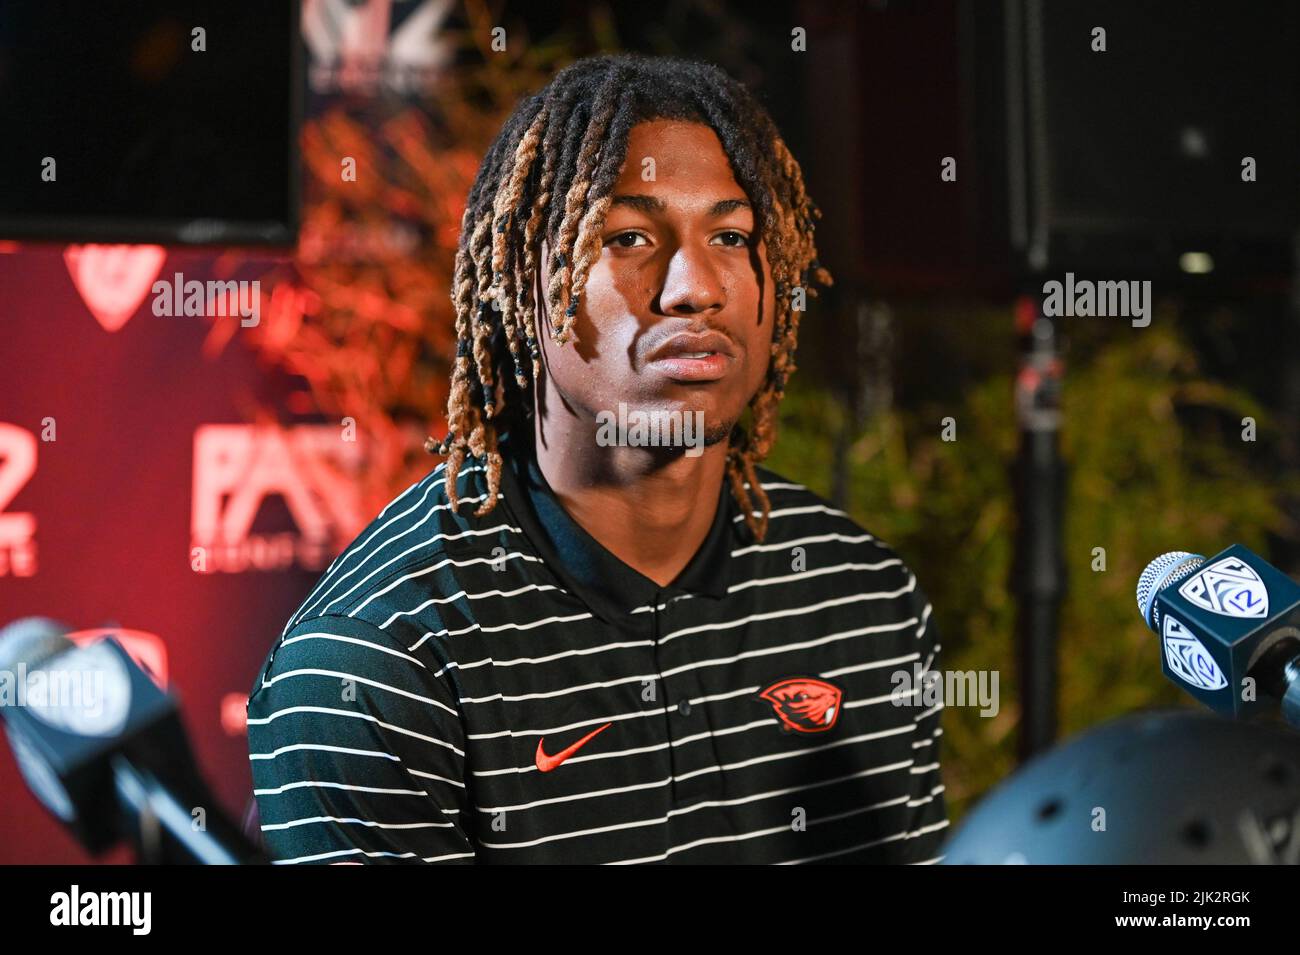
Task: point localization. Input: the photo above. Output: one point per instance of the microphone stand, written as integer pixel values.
(1038, 571)
(1278, 670)
(163, 829)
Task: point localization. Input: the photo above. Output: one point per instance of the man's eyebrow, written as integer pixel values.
(653, 204)
(728, 205)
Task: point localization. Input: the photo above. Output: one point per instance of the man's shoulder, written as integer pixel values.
(418, 534)
(359, 611)
(798, 515)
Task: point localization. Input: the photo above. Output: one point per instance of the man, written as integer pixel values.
(627, 651)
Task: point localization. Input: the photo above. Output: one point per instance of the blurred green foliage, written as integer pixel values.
(1156, 462)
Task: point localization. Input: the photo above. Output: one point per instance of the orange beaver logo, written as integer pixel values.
(804, 704)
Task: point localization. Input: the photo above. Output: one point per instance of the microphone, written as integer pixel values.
(1229, 629)
(103, 748)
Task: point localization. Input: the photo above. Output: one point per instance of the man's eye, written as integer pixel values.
(732, 238)
(628, 240)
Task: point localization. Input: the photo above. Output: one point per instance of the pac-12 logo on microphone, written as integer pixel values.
(1188, 658)
(1230, 587)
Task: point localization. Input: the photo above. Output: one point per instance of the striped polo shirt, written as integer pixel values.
(505, 689)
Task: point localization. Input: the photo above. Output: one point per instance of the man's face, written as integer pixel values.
(680, 254)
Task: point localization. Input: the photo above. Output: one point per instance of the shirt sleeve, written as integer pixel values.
(927, 809)
(357, 750)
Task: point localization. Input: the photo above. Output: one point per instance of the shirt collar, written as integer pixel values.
(601, 580)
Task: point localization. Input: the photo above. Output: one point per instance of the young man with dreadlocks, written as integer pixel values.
(623, 651)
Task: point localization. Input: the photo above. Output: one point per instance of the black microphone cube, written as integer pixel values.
(1245, 609)
(74, 714)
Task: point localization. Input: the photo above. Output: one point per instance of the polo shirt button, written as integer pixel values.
(684, 707)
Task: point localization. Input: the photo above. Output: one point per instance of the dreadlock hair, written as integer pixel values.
(550, 173)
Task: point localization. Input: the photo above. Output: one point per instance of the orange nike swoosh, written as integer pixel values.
(547, 763)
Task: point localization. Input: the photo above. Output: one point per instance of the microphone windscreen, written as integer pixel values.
(1162, 569)
(31, 641)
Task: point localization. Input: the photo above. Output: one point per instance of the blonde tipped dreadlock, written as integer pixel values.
(550, 173)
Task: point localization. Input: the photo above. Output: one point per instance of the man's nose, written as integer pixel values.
(691, 284)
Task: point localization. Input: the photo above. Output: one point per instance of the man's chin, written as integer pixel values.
(697, 428)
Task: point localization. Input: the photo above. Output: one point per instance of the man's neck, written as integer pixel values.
(651, 510)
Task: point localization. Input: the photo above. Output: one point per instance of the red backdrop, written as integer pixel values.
(122, 448)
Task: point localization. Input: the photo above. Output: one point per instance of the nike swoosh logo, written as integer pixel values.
(547, 763)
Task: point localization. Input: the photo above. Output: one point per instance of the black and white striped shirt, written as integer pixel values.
(504, 689)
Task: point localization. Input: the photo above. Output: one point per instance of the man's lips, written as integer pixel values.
(700, 357)
(708, 367)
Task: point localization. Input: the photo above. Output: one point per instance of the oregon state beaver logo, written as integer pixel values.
(804, 704)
